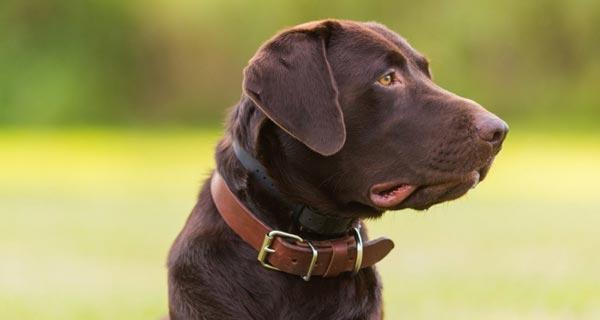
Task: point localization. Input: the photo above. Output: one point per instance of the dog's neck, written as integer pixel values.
(252, 186)
(238, 162)
(269, 209)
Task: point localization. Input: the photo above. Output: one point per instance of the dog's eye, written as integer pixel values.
(386, 80)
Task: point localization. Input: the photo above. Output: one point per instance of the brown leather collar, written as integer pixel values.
(290, 253)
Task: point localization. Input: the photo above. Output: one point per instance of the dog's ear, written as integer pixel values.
(291, 81)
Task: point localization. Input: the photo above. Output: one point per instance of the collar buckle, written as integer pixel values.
(265, 249)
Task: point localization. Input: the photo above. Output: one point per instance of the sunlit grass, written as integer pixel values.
(87, 217)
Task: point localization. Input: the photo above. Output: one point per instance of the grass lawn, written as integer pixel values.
(87, 217)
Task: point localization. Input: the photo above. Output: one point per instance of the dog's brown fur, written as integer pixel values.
(313, 113)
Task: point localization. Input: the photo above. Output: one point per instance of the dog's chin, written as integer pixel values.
(427, 196)
(423, 197)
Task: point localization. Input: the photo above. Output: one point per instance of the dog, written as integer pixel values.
(339, 121)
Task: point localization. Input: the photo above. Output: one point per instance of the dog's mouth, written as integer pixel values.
(390, 194)
(395, 196)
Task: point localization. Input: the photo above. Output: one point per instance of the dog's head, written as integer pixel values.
(355, 125)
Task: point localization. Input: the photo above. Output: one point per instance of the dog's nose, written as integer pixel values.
(491, 129)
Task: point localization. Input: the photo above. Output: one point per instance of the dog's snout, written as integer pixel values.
(491, 129)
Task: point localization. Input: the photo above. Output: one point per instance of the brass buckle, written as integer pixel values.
(265, 249)
(359, 250)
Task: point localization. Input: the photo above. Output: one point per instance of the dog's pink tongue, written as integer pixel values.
(391, 197)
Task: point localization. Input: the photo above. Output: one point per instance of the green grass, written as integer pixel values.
(87, 217)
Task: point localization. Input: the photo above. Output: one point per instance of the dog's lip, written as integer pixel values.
(394, 195)
(390, 194)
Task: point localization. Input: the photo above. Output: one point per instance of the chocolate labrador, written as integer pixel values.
(338, 121)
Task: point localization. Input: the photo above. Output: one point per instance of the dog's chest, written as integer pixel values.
(337, 298)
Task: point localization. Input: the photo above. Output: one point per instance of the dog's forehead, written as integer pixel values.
(396, 39)
(371, 35)
(379, 33)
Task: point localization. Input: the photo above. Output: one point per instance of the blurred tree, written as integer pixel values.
(180, 61)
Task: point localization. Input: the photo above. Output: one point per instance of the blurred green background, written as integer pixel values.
(109, 112)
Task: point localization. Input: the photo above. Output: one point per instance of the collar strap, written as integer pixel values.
(290, 253)
(306, 218)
